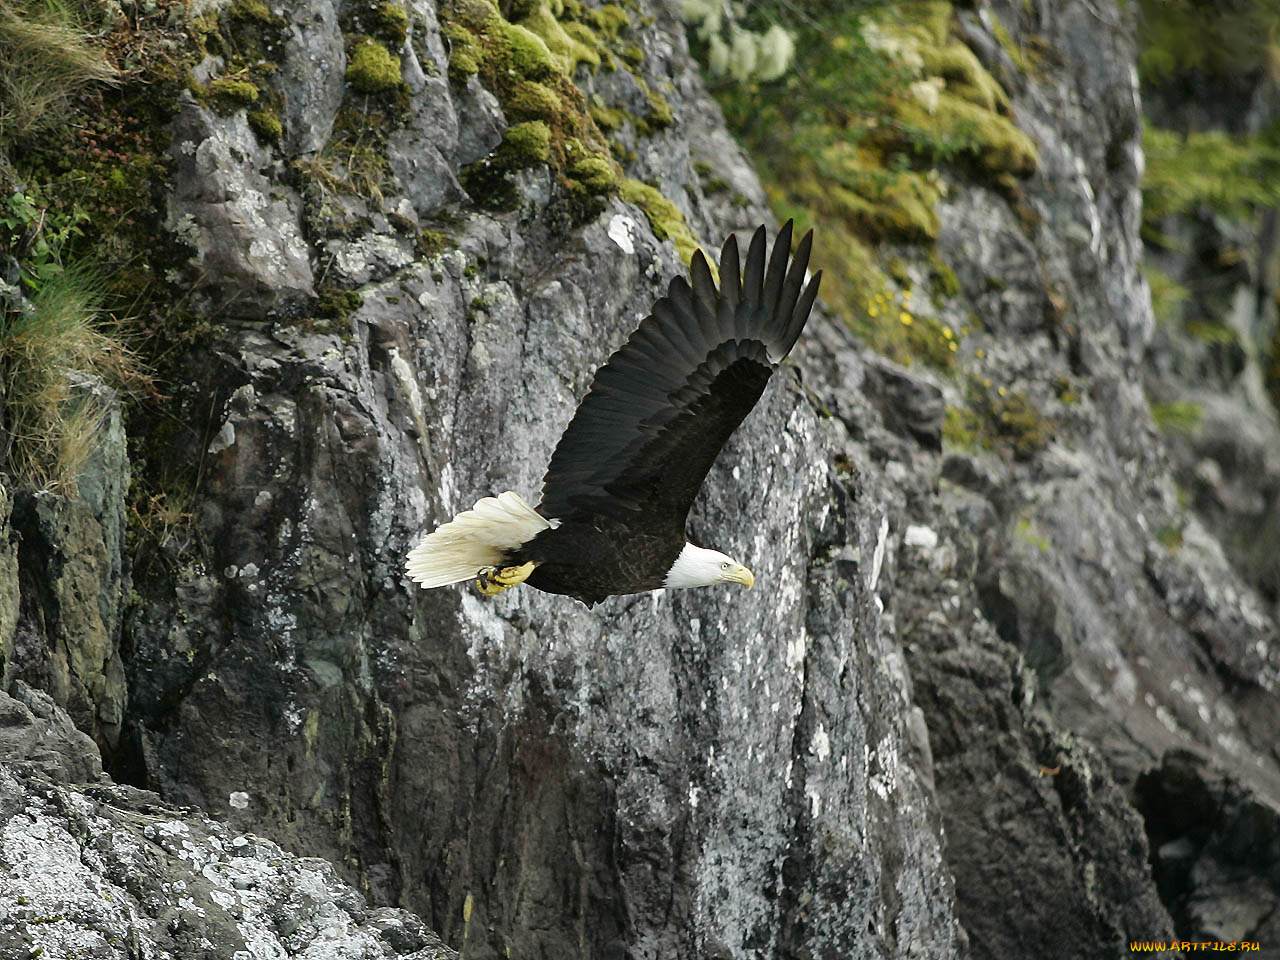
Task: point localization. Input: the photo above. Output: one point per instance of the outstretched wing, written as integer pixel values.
(659, 411)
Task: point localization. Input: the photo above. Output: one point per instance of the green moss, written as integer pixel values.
(1170, 536)
(266, 125)
(432, 243)
(531, 100)
(659, 115)
(465, 54)
(333, 303)
(975, 131)
(1067, 393)
(253, 10)
(528, 65)
(596, 173)
(848, 183)
(1180, 416)
(1018, 424)
(961, 428)
(583, 34)
(526, 144)
(461, 66)
(568, 52)
(606, 118)
(996, 419)
(372, 68)
(610, 20)
(1028, 60)
(523, 145)
(945, 282)
(391, 23)
(966, 77)
(665, 219)
(528, 54)
(227, 95)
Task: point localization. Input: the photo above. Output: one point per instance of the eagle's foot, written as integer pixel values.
(491, 581)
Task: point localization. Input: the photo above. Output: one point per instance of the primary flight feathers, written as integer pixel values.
(632, 460)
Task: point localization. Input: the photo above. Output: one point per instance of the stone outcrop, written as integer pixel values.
(97, 869)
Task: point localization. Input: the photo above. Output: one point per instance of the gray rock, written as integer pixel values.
(73, 582)
(418, 151)
(1218, 854)
(311, 75)
(244, 230)
(112, 872)
(35, 731)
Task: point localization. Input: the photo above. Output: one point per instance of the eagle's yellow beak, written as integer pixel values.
(740, 574)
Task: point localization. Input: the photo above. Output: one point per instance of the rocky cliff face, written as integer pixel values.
(923, 734)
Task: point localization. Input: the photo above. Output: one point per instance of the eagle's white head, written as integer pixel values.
(700, 567)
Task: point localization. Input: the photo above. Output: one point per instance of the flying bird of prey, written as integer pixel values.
(629, 465)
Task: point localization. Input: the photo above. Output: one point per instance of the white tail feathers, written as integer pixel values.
(476, 538)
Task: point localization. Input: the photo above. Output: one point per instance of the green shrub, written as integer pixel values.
(1210, 170)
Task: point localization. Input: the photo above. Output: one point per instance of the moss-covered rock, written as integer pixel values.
(227, 95)
(597, 173)
(334, 303)
(528, 61)
(488, 180)
(531, 100)
(266, 125)
(665, 218)
(373, 68)
(526, 144)
(391, 23)
(526, 53)
(606, 118)
(568, 50)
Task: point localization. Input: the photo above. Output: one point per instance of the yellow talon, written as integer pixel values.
(491, 581)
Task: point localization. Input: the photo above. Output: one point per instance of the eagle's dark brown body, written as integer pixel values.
(592, 558)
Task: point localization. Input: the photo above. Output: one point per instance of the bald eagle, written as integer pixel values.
(626, 471)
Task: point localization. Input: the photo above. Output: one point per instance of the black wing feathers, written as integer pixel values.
(658, 412)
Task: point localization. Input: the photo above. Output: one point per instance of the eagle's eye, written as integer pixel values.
(724, 566)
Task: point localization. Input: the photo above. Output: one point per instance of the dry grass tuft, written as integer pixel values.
(58, 368)
(47, 55)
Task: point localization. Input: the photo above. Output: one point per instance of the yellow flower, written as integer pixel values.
(872, 312)
(905, 318)
(986, 383)
(964, 331)
(906, 294)
(948, 333)
(952, 345)
(980, 353)
(1001, 390)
